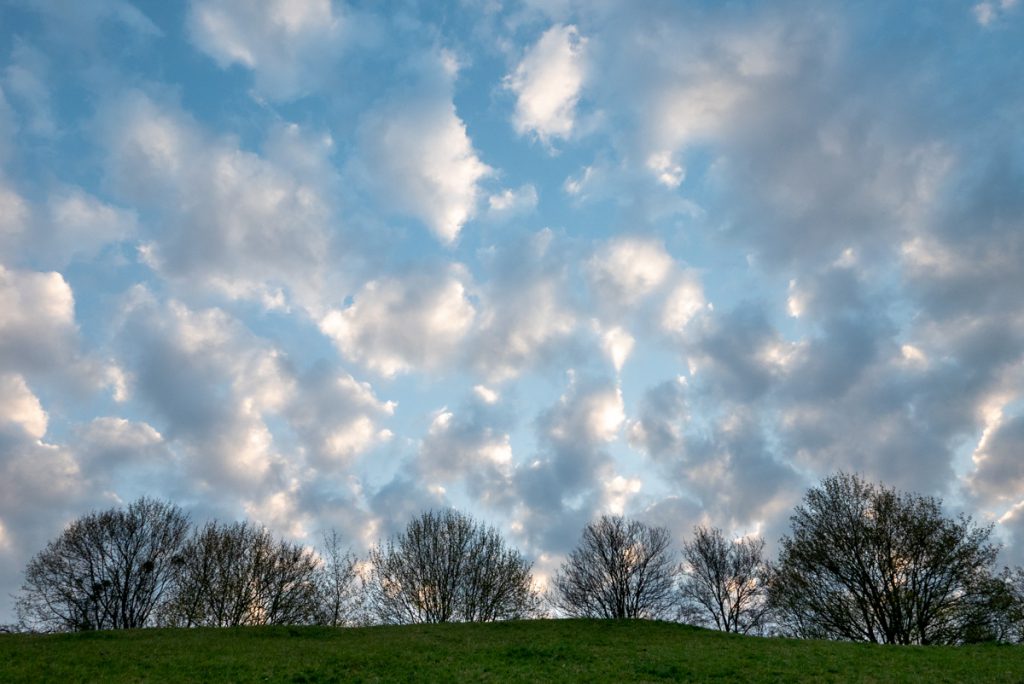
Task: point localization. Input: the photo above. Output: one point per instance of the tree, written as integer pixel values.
(237, 574)
(340, 595)
(724, 582)
(869, 563)
(447, 567)
(619, 569)
(107, 570)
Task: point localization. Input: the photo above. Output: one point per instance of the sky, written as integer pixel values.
(326, 264)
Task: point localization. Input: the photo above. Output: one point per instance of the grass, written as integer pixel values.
(534, 651)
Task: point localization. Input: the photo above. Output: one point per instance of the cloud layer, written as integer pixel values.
(325, 265)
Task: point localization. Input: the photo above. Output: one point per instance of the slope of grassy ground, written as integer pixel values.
(535, 651)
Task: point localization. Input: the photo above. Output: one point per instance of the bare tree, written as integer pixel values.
(340, 590)
(619, 569)
(447, 567)
(237, 574)
(107, 570)
(869, 563)
(723, 583)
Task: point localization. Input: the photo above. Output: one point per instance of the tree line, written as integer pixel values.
(862, 562)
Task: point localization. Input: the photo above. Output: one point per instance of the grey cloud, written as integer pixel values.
(471, 444)
(728, 353)
(736, 475)
(210, 382)
(663, 418)
(25, 78)
(400, 500)
(560, 489)
(528, 316)
(336, 416)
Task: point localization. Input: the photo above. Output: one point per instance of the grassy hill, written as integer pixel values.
(542, 650)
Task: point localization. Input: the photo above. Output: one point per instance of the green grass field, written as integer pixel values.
(535, 651)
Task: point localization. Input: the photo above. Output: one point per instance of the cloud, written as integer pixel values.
(40, 483)
(25, 78)
(999, 473)
(235, 222)
(398, 324)
(628, 269)
(19, 408)
(734, 354)
(37, 322)
(663, 417)
(110, 443)
(988, 12)
(337, 417)
(472, 445)
(512, 202)
(684, 302)
(547, 84)
(80, 224)
(525, 317)
(15, 215)
(289, 45)
(81, 23)
(617, 345)
(210, 382)
(417, 157)
(561, 489)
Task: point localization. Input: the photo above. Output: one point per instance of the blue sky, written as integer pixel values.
(327, 264)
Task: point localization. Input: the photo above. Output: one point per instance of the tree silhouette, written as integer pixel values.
(447, 567)
(620, 569)
(107, 570)
(868, 563)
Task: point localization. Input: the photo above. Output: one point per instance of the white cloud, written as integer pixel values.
(511, 202)
(663, 416)
(985, 12)
(486, 394)
(668, 172)
(618, 491)
(547, 84)
(37, 320)
(684, 301)
(593, 415)
(395, 325)
(20, 408)
(122, 434)
(421, 161)
(290, 45)
(627, 269)
(617, 344)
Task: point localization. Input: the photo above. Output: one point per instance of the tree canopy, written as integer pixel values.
(447, 567)
(620, 569)
(865, 562)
